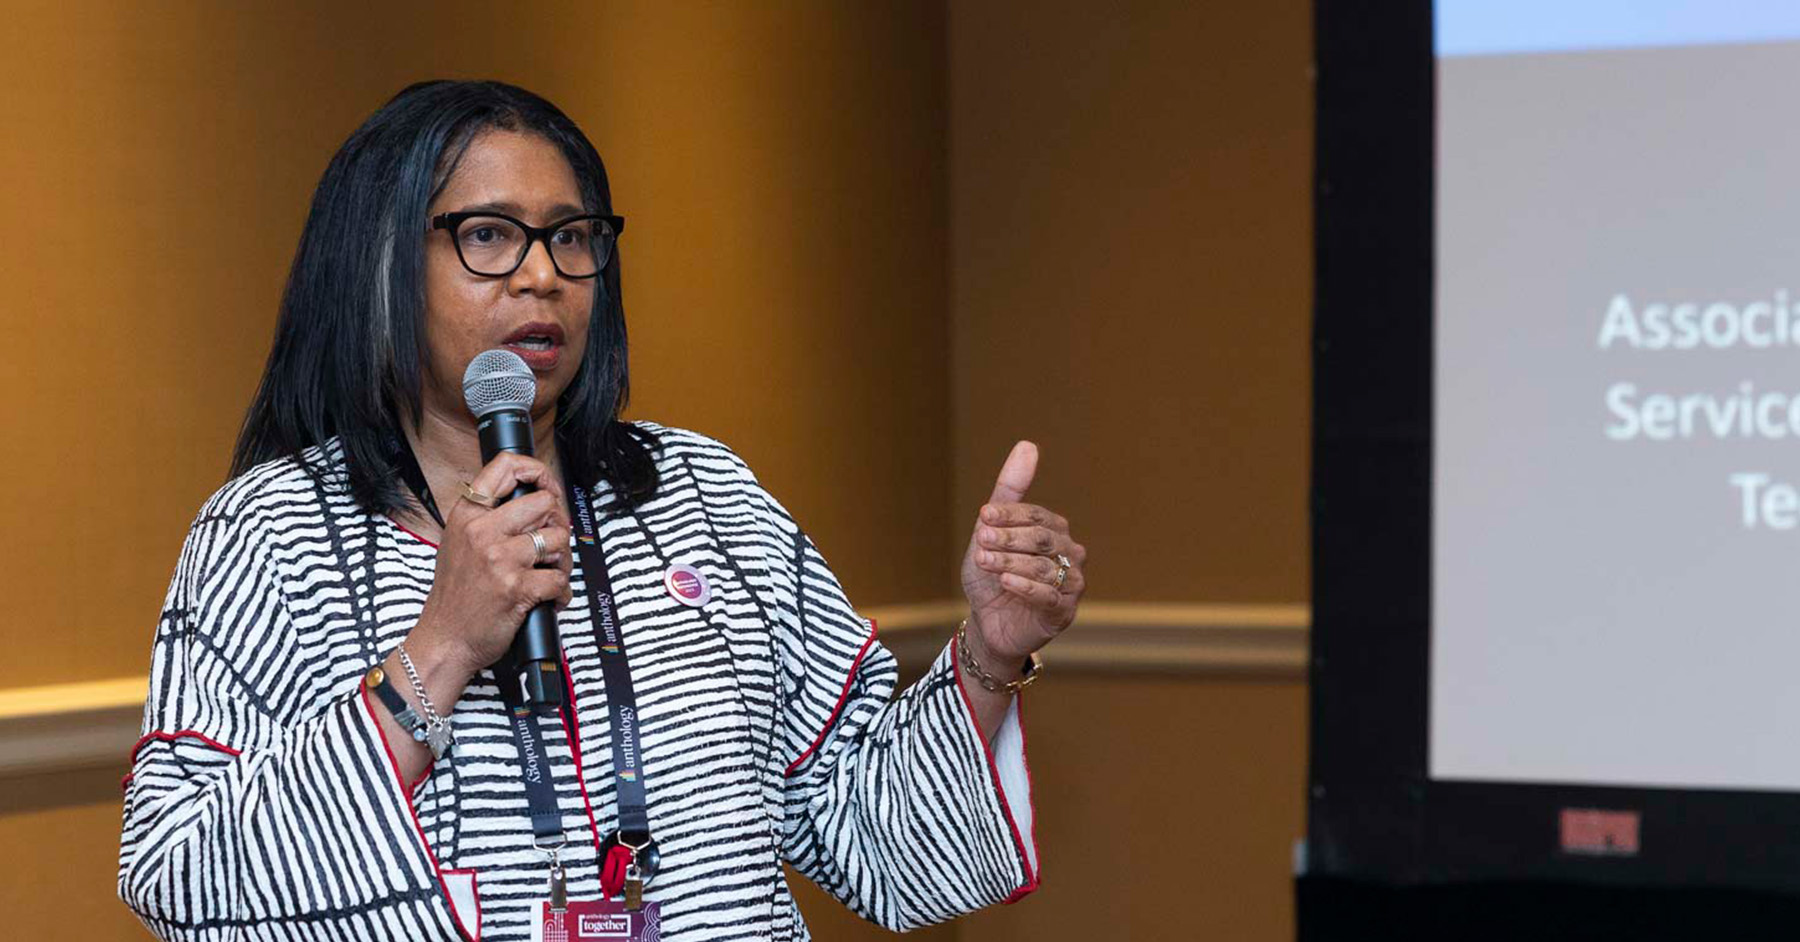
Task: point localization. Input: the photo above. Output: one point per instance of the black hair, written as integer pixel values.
(348, 355)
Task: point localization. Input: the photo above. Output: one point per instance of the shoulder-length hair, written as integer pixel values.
(349, 345)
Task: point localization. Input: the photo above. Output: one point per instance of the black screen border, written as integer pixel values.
(1373, 812)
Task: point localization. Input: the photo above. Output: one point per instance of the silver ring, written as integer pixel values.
(539, 546)
(1062, 570)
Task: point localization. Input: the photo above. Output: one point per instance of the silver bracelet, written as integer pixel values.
(437, 727)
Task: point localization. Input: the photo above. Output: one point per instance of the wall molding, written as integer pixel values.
(67, 727)
(92, 725)
(1268, 641)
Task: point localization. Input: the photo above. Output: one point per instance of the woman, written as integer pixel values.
(329, 749)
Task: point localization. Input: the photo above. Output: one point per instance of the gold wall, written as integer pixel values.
(1130, 280)
(1130, 285)
(870, 244)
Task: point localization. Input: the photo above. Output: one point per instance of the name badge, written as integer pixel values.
(596, 921)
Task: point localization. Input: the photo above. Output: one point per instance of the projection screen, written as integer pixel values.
(1616, 495)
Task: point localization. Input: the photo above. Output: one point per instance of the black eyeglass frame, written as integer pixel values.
(533, 234)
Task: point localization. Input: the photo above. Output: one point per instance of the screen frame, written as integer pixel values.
(1373, 811)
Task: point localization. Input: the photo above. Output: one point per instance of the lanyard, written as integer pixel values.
(534, 768)
(615, 670)
(630, 856)
(414, 476)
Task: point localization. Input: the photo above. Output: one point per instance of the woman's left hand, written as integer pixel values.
(1010, 570)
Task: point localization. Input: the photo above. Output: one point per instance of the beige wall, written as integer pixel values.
(1130, 280)
(1130, 285)
(870, 245)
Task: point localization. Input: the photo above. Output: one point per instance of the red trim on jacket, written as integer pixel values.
(571, 717)
(1031, 796)
(161, 736)
(415, 536)
(475, 890)
(181, 734)
(1012, 823)
(843, 698)
(406, 793)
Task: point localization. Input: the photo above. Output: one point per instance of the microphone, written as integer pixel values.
(499, 389)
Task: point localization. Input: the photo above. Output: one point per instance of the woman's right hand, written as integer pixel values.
(488, 576)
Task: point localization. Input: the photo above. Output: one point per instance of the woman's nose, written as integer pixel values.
(536, 274)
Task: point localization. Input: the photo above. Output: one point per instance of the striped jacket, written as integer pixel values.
(264, 803)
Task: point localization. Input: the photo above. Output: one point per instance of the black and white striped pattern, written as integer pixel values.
(264, 804)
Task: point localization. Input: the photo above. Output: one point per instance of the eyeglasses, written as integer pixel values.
(494, 245)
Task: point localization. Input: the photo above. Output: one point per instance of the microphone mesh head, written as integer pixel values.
(498, 379)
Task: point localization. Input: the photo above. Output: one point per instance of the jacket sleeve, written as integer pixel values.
(895, 805)
(253, 802)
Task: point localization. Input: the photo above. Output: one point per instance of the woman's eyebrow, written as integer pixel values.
(510, 208)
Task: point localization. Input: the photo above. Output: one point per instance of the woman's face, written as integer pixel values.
(534, 312)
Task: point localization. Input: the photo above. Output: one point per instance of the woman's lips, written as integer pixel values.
(538, 358)
(538, 343)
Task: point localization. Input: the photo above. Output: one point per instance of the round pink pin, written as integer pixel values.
(687, 585)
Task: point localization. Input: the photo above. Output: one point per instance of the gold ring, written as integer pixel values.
(538, 545)
(474, 496)
(1062, 570)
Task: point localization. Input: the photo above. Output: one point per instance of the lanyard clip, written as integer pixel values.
(559, 884)
(634, 887)
(627, 867)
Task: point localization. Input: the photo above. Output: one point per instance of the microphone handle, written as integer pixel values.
(535, 657)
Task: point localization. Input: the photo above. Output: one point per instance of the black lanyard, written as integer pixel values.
(633, 831)
(615, 670)
(414, 476)
(534, 768)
